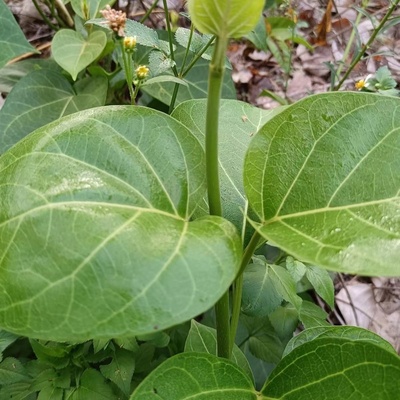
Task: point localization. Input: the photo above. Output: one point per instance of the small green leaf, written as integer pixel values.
(335, 369)
(92, 385)
(196, 375)
(225, 18)
(182, 36)
(323, 177)
(312, 316)
(261, 339)
(258, 36)
(265, 286)
(322, 283)
(144, 35)
(12, 39)
(6, 338)
(53, 98)
(203, 339)
(12, 371)
(74, 53)
(160, 63)
(130, 261)
(295, 268)
(120, 370)
(51, 393)
(344, 332)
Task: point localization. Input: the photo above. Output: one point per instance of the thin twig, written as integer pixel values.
(349, 297)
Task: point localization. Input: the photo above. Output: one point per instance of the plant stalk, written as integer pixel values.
(216, 74)
(149, 11)
(128, 67)
(350, 42)
(238, 286)
(369, 42)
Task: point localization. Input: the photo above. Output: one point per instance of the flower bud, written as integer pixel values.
(142, 72)
(129, 43)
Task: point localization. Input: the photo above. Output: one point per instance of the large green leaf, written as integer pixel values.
(74, 53)
(12, 39)
(237, 124)
(225, 18)
(324, 178)
(335, 369)
(345, 332)
(199, 376)
(11, 74)
(203, 339)
(197, 80)
(94, 221)
(42, 97)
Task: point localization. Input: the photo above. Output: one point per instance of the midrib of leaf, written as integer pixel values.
(316, 141)
(330, 209)
(62, 204)
(324, 245)
(325, 378)
(222, 391)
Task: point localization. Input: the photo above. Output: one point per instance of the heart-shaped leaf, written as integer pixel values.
(196, 376)
(324, 178)
(53, 98)
(225, 18)
(12, 42)
(94, 222)
(335, 369)
(74, 53)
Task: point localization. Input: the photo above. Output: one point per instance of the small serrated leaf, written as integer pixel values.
(144, 35)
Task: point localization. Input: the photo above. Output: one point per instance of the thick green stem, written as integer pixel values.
(215, 80)
(223, 328)
(238, 286)
(216, 75)
(375, 33)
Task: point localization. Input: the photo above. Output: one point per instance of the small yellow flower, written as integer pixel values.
(360, 84)
(142, 72)
(129, 43)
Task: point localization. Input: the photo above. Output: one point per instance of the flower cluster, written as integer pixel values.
(116, 20)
